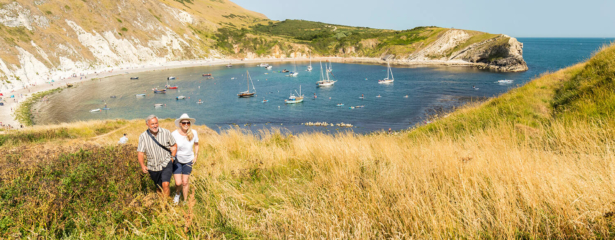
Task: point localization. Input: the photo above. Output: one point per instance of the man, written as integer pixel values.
(123, 140)
(159, 159)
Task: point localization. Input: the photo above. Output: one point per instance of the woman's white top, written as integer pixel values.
(185, 154)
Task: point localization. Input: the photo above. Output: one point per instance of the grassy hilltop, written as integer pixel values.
(325, 39)
(536, 162)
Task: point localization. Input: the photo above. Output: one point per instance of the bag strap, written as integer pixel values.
(163, 147)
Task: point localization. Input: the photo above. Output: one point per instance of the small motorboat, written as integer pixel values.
(229, 65)
(378, 96)
(505, 81)
(199, 102)
(106, 108)
(207, 75)
(285, 71)
(134, 78)
(359, 106)
(95, 110)
(351, 107)
(340, 104)
(113, 96)
(406, 96)
(158, 105)
(162, 91)
(170, 87)
(171, 78)
(269, 67)
(293, 74)
(180, 97)
(141, 95)
(263, 65)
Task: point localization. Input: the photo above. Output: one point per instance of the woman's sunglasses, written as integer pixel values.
(185, 123)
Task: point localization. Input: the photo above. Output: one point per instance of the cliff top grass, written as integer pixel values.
(535, 162)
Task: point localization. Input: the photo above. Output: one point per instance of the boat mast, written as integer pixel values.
(247, 80)
(391, 70)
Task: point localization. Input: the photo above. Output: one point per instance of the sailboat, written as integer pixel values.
(294, 73)
(309, 68)
(293, 98)
(248, 93)
(324, 82)
(387, 79)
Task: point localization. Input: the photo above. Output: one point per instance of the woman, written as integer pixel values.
(187, 151)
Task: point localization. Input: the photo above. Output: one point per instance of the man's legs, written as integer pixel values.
(166, 191)
(178, 182)
(167, 172)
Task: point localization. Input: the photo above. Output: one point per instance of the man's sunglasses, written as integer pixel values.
(185, 123)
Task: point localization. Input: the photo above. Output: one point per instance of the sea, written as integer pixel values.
(418, 92)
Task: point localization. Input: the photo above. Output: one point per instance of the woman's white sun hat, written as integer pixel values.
(184, 117)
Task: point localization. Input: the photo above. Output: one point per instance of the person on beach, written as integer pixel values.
(159, 147)
(187, 152)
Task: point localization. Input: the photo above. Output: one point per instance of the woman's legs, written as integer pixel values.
(185, 185)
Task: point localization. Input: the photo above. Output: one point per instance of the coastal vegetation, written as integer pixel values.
(533, 163)
(23, 113)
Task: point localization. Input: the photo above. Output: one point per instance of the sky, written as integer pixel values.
(521, 18)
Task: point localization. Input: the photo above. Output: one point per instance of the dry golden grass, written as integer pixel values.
(512, 167)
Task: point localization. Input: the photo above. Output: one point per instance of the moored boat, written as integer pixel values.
(170, 87)
(505, 81)
(324, 82)
(294, 99)
(180, 97)
(387, 79)
(207, 75)
(141, 95)
(247, 93)
(134, 78)
(160, 91)
(95, 110)
(171, 78)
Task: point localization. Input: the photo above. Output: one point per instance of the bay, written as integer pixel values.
(429, 89)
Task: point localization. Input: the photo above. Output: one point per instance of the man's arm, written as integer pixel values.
(174, 150)
(141, 161)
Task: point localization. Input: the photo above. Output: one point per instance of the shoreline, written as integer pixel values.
(8, 111)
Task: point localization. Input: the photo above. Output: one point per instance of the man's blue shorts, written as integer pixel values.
(182, 168)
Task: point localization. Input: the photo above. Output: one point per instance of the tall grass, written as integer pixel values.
(523, 165)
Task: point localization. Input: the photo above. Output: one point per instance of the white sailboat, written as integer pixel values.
(324, 82)
(309, 68)
(247, 93)
(387, 79)
(294, 73)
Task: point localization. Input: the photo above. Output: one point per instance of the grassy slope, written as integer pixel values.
(326, 39)
(536, 162)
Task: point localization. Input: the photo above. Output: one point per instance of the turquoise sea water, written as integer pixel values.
(429, 90)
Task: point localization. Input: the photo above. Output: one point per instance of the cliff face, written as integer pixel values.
(500, 53)
(44, 40)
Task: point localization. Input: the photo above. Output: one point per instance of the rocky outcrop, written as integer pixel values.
(502, 53)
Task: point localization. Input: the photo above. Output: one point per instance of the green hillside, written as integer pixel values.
(533, 163)
(330, 39)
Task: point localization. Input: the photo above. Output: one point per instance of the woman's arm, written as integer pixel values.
(196, 152)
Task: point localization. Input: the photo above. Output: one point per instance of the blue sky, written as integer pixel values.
(521, 18)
